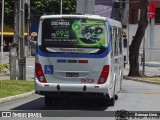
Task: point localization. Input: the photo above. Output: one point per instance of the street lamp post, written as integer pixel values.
(2, 31)
(29, 25)
(61, 7)
(22, 59)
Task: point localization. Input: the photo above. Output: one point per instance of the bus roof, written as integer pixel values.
(74, 16)
(97, 17)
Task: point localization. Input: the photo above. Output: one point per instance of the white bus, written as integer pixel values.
(78, 55)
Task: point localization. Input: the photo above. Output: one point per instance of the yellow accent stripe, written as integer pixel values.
(10, 33)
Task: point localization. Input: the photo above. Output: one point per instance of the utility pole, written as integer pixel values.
(22, 58)
(152, 26)
(85, 6)
(14, 46)
(143, 56)
(16, 5)
(61, 7)
(2, 32)
(29, 25)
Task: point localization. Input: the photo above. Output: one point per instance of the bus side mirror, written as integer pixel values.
(125, 43)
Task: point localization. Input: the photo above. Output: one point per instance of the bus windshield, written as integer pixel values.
(74, 33)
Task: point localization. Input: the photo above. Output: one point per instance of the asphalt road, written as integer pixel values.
(134, 96)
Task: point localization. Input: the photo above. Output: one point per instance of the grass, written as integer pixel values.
(15, 87)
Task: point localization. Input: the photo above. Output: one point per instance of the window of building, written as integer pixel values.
(157, 20)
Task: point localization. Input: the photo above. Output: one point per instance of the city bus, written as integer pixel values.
(79, 56)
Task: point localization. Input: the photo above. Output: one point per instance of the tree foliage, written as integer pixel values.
(135, 45)
(8, 12)
(41, 7)
(38, 8)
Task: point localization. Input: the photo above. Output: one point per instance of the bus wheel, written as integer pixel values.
(48, 101)
(112, 101)
(103, 102)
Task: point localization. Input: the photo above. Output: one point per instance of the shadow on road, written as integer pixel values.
(69, 104)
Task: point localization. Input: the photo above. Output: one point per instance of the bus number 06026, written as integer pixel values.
(87, 80)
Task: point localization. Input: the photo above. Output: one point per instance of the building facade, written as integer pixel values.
(152, 35)
(115, 9)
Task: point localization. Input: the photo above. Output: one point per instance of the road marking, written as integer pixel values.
(30, 66)
(151, 92)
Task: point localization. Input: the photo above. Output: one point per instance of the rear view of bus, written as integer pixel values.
(73, 58)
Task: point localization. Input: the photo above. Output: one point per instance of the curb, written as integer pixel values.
(15, 97)
(144, 81)
(153, 64)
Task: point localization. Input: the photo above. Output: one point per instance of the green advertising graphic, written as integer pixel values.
(90, 33)
(83, 33)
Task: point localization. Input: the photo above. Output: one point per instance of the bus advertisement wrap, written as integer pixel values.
(73, 32)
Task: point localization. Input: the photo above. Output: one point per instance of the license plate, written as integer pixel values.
(72, 74)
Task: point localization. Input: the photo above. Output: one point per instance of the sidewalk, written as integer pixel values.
(152, 73)
(29, 67)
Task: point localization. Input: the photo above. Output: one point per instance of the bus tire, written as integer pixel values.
(48, 101)
(103, 102)
(112, 101)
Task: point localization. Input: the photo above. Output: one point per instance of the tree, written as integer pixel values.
(8, 12)
(53, 6)
(135, 45)
(38, 8)
(41, 7)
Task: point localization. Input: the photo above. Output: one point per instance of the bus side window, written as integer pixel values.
(115, 42)
(120, 46)
(111, 41)
(120, 41)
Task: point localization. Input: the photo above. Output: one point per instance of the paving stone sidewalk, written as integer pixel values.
(152, 74)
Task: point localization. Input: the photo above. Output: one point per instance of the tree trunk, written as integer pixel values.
(135, 45)
(13, 46)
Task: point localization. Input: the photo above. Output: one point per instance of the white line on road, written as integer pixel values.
(30, 66)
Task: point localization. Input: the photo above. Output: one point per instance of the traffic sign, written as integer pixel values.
(151, 11)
